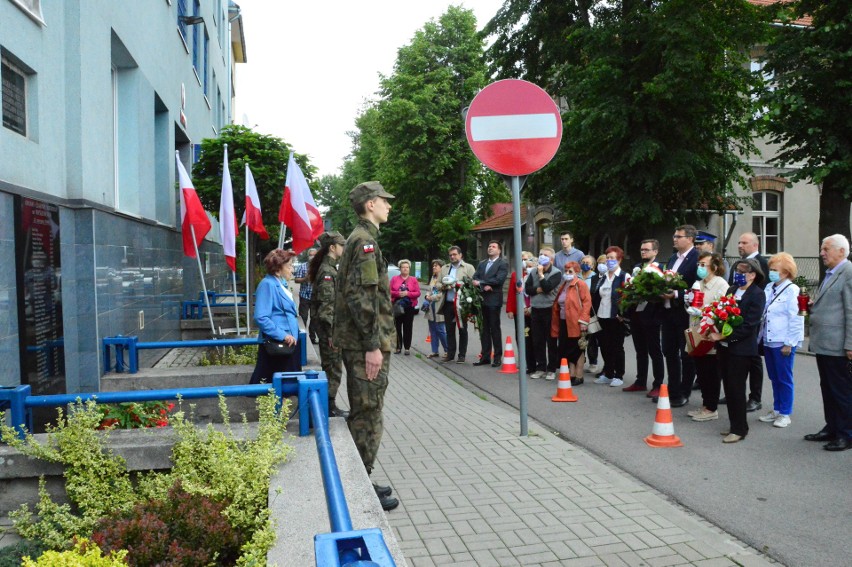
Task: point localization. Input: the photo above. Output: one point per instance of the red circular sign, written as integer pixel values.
(513, 127)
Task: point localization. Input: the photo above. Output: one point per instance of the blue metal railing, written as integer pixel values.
(132, 346)
(194, 308)
(342, 546)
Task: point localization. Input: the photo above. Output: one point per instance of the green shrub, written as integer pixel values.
(12, 555)
(181, 530)
(229, 356)
(83, 555)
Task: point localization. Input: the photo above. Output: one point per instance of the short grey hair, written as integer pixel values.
(838, 241)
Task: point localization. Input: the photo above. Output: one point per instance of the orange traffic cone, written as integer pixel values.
(509, 366)
(663, 433)
(564, 391)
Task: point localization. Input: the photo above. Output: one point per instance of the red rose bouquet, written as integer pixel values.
(721, 316)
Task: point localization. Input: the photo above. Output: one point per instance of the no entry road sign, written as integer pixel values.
(513, 127)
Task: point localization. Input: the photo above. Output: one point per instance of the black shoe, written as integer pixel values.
(577, 381)
(382, 491)
(723, 401)
(753, 405)
(447, 358)
(482, 362)
(679, 402)
(655, 399)
(820, 436)
(460, 360)
(497, 362)
(839, 444)
(334, 411)
(388, 503)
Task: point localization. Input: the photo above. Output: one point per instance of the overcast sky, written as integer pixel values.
(311, 65)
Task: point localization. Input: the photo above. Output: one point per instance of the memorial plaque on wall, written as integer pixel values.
(39, 286)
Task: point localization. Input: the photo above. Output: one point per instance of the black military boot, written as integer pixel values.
(382, 490)
(334, 411)
(388, 503)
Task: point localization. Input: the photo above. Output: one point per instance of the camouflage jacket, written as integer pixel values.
(322, 302)
(363, 318)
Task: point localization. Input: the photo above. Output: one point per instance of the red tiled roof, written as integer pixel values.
(805, 21)
(498, 222)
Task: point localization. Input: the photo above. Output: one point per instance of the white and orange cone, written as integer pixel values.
(509, 365)
(564, 391)
(663, 433)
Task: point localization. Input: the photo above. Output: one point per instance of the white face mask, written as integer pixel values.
(602, 268)
(567, 277)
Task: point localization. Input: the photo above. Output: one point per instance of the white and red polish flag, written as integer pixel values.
(228, 227)
(192, 214)
(298, 209)
(253, 216)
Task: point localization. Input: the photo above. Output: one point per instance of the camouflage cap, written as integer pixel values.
(328, 238)
(363, 192)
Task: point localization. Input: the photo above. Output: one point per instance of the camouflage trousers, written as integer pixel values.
(366, 400)
(332, 365)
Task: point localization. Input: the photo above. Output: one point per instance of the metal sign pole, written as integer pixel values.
(521, 342)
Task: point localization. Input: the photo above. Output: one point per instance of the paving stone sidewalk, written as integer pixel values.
(473, 492)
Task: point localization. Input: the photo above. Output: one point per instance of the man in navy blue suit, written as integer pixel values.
(680, 367)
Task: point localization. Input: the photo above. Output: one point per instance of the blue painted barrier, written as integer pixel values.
(341, 547)
(194, 308)
(132, 345)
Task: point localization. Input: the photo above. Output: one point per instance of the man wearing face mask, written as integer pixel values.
(541, 286)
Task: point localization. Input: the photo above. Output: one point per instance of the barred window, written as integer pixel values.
(14, 89)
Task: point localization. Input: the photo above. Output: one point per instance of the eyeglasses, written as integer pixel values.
(646, 250)
(676, 236)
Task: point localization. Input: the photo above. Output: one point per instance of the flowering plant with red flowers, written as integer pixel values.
(721, 316)
(135, 415)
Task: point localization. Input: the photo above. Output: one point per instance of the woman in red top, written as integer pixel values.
(570, 319)
(404, 290)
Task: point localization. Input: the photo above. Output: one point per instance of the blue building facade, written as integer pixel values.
(96, 98)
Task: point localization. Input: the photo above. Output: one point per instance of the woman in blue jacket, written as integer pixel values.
(612, 323)
(276, 314)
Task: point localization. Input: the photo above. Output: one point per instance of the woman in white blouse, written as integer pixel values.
(781, 331)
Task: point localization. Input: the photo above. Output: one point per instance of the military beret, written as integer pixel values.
(363, 192)
(328, 238)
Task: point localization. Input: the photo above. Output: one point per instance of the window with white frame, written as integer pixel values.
(766, 220)
(14, 94)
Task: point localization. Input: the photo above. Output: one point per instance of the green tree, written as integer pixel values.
(657, 110)
(266, 155)
(412, 139)
(809, 103)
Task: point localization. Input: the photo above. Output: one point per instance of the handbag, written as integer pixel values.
(278, 348)
(398, 308)
(594, 325)
(696, 345)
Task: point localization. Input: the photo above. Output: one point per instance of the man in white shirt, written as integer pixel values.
(457, 270)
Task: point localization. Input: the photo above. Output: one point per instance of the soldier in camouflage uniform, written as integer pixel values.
(322, 274)
(363, 324)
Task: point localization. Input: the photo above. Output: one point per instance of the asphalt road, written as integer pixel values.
(775, 491)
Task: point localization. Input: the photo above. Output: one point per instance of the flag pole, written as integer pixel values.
(203, 285)
(281, 236)
(248, 284)
(236, 306)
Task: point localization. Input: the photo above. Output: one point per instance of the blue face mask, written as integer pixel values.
(585, 267)
(543, 260)
(774, 276)
(739, 279)
(611, 265)
(602, 268)
(701, 272)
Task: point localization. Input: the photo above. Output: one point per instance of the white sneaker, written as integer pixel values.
(550, 376)
(616, 382)
(538, 374)
(770, 417)
(603, 380)
(782, 421)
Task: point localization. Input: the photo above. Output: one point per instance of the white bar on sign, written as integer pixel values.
(513, 127)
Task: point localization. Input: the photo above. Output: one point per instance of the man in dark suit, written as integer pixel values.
(680, 367)
(489, 277)
(831, 341)
(748, 246)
